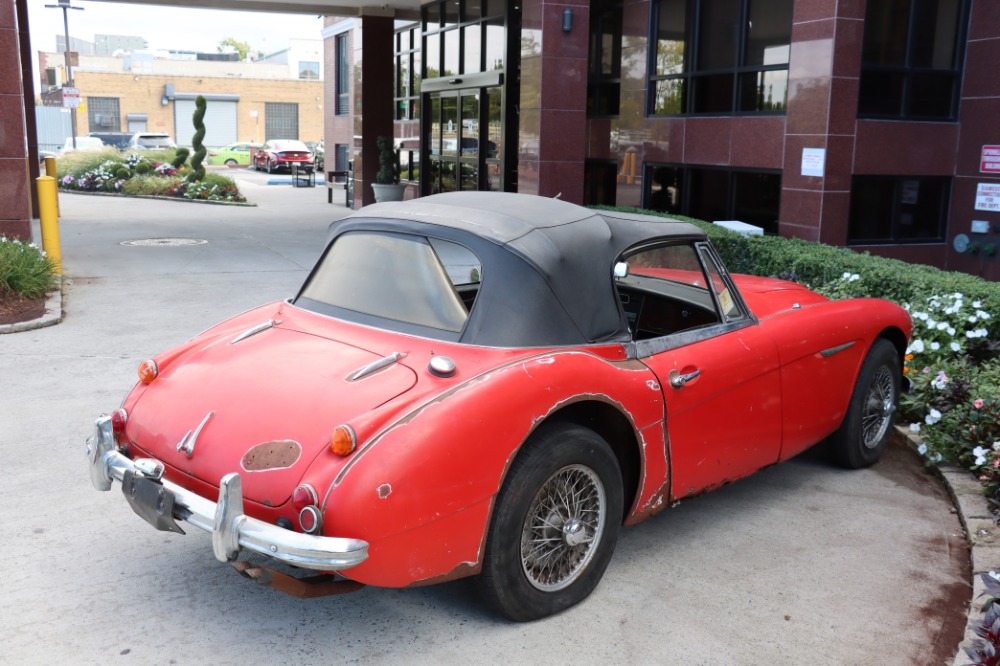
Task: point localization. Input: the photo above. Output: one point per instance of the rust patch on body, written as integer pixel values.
(463, 570)
(271, 455)
(384, 491)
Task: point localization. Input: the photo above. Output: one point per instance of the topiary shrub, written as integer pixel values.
(197, 170)
(142, 168)
(180, 158)
(123, 174)
(388, 162)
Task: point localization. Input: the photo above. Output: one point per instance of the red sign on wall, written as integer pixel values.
(990, 160)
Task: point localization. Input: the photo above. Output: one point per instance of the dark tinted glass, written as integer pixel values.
(886, 26)
(756, 199)
(713, 94)
(880, 93)
(718, 34)
(769, 32)
(935, 33)
(709, 194)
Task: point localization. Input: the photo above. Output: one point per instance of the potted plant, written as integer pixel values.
(387, 186)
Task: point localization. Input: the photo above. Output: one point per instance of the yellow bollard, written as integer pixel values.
(49, 216)
(50, 170)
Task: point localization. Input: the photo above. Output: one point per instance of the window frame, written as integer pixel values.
(342, 83)
(691, 73)
(946, 184)
(909, 72)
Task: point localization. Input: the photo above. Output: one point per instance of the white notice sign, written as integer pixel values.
(71, 98)
(988, 197)
(813, 162)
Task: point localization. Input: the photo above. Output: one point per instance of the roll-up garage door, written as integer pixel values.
(220, 122)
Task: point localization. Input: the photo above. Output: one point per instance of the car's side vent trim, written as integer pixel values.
(375, 366)
(827, 353)
(259, 328)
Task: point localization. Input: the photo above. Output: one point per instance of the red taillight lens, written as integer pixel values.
(304, 496)
(148, 371)
(118, 421)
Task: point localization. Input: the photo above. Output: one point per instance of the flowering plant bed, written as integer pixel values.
(154, 173)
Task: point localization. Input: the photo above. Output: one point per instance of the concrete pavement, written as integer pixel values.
(803, 563)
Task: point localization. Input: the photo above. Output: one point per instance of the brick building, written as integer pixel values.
(865, 123)
(247, 101)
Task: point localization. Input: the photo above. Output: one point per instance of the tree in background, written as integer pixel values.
(197, 170)
(230, 44)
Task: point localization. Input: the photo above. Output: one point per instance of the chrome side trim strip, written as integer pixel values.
(259, 328)
(827, 353)
(360, 373)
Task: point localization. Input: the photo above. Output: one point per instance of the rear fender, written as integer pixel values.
(421, 490)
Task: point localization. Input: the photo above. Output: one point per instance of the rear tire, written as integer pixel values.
(555, 524)
(270, 169)
(867, 426)
(230, 163)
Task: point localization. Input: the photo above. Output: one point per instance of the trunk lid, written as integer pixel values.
(264, 406)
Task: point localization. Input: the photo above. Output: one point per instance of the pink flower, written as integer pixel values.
(996, 463)
(978, 404)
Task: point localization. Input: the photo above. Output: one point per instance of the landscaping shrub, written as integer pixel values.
(24, 269)
(198, 120)
(151, 173)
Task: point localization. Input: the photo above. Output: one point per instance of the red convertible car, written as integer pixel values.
(491, 385)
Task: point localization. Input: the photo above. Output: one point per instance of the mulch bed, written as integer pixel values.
(14, 308)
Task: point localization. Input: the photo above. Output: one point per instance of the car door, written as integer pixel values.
(718, 370)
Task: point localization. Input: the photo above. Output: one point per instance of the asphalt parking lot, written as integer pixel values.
(804, 563)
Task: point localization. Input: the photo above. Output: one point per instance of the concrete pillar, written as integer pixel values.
(552, 133)
(373, 87)
(15, 185)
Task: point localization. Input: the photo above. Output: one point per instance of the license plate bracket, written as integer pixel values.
(150, 501)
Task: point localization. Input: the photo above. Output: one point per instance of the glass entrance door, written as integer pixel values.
(463, 130)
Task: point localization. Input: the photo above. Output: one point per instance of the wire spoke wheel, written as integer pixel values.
(564, 521)
(880, 403)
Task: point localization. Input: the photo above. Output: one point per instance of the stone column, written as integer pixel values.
(15, 185)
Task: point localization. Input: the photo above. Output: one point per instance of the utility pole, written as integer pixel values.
(65, 6)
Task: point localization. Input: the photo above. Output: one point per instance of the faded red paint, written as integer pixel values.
(433, 452)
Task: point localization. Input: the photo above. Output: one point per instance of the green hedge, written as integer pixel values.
(822, 266)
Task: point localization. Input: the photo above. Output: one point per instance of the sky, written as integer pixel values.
(182, 29)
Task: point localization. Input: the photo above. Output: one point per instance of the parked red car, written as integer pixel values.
(282, 154)
(492, 385)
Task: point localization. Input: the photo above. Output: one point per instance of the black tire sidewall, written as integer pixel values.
(848, 441)
(504, 583)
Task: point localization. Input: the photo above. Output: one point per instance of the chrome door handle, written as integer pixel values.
(677, 380)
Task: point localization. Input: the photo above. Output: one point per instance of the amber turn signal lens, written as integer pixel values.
(148, 371)
(342, 441)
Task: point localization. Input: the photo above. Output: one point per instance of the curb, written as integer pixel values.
(53, 314)
(245, 204)
(981, 534)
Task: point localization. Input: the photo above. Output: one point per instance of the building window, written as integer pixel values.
(407, 73)
(604, 75)
(309, 70)
(343, 82)
(464, 37)
(281, 120)
(898, 209)
(911, 62)
(720, 56)
(103, 114)
(714, 194)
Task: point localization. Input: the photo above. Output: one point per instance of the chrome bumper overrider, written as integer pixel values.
(232, 530)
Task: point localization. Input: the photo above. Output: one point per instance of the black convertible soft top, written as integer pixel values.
(547, 264)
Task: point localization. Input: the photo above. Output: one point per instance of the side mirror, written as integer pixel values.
(621, 269)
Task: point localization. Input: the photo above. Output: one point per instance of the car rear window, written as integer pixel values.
(404, 278)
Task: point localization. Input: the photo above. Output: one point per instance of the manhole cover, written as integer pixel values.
(164, 242)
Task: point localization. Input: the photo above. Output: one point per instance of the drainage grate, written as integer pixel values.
(164, 242)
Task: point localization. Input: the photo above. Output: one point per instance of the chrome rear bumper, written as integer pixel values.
(231, 529)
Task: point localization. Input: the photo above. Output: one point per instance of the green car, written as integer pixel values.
(232, 155)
